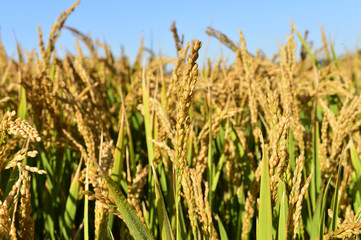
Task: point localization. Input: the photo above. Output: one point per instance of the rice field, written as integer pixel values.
(93, 146)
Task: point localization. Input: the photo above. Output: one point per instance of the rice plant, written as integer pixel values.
(93, 146)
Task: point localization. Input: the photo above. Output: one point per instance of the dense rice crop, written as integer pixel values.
(96, 147)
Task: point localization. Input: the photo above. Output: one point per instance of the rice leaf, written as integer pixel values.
(119, 152)
(222, 230)
(264, 226)
(164, 224)
(150, 150)
(323, 211)
(357, 167)
(52, 72)
(22, 112)
(291, 148)
(181, 225)
(308, 50)
(315, 185)
(147, 120)
(335, 205)
(315, 222)
(355, 160)
(118, 160)
(221, 162)
(282, 221)
(71, 205)
(128, 213)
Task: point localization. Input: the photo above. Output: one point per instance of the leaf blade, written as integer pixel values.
(264, 227)
(164, 223)
(128, 213)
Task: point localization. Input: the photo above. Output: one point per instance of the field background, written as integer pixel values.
(99, 146)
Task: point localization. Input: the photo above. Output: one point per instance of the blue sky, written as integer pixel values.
(122, 23)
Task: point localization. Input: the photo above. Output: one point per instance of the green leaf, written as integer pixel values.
(14, 176)
(150, 150)
(316, 179)
(181, 225)
(128, 213)
(355, 160)
(291, 148)
(52, 72)
(357, 166)
(222, 230)
(282, 221)
(164, 224)
(118, 158)
(335, 203)
(323, 211)
(71, 205)
(119, 151)
(315, 223)
(264, 227)
(22, 103)
(221, 162)
(308, 50)
(147, 120)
